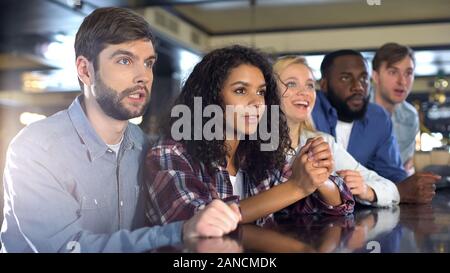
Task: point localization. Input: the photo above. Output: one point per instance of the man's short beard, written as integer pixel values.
(343, 110)
(110, 100)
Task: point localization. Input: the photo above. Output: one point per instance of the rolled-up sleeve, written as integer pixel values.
(314, 204)
(385, 190)
(41, 214)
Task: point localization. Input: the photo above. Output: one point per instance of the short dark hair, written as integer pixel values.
(391, 53)
(110, 25)
(329, 58)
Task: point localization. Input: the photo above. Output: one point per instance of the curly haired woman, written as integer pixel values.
(185, 175)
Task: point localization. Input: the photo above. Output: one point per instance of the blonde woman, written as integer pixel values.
(296, 86)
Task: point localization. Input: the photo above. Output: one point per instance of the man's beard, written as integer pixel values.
(343, 110)
(110, 100)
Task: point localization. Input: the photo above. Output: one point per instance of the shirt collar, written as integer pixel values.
(400, 115)
(131, 139)
(372, 96)
(326, 105)
(365, 119)
(88, 136)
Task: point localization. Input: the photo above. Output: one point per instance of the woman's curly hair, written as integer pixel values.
(206, 81)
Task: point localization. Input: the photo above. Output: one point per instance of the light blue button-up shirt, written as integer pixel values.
(65, 190)
(405, 120)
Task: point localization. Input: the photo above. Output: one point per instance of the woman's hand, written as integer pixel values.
(356, 184)
(312, 165)
(320, 154)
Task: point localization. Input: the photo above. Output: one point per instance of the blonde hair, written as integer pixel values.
(279, 66)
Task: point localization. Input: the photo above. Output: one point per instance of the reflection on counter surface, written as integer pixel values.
(407, 228)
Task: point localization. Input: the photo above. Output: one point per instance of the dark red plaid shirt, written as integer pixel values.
(180, 186)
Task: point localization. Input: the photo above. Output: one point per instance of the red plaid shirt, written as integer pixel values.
(180, 186)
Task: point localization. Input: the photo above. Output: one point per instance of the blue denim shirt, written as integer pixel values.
(66, 191)
(372, 142)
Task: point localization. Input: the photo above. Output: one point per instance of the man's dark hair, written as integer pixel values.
(391, 53)
(330, 57)
(109, 25)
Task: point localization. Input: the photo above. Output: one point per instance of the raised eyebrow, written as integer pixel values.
(346, 73)
(393, 67)
(240, 82)
(291, 78)
(152, 58)
(122, 52)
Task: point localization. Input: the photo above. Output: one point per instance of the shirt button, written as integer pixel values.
(121, 203)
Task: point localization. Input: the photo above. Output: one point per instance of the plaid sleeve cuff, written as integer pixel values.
(313, 204)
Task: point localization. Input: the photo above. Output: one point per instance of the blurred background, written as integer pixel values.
(37, 68)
